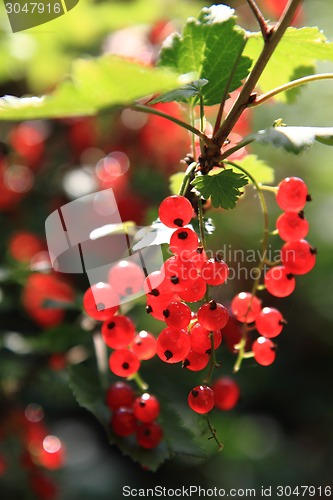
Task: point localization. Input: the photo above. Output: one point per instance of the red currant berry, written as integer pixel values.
(292, 194)
(23, 245)
(213, 316)
(173, 345)
(201, 399)
(119, 394)
(144, 345)
(179, 274)
(226, 392)
(154, 284)
(149, 435)
(195, 292)
(201, 341)
(157, 304)
(246, 307)
(298, 256)
(126, 278)
(196, 361)
(124, 362)
(101, 302)
(214, 271)
(292, 226)
(177, 315)
(123, 422)
(264, 351)
(175, 211)
(269, 322)
(146, 408)
(279, 281)
(183, 240)
(197, 257)
(118, 332)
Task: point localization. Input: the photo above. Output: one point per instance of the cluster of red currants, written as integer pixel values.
(297, 257)
(134, 414)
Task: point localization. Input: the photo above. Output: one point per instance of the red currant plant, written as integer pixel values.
(217, 57)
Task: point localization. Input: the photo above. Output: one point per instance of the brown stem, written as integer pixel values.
(246, 97)
(260, 18)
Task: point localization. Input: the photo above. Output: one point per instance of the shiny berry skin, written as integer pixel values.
(298, 256)
(146, 408)
(126, 278)
(264, 351)
(124, 362)
(118, 332)
(195, 292)
(149, 435)
(292, 194)
(279, 281)
(292, 226)
(269, 322)
(179, 274)
(183, 240)
(195, 361)
(197, 257)
(123, 422)
(214, 271)
(154, 282)
(101, 302)
(177, 315)
(157, 304)
(226, 392)
(201, 399)
(245, 307)
(213, 316)
(200, 339)
(173, 345)
(175, 211)
(119, 394)
(144, 345)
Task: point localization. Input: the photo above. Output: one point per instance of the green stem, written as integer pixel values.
(186, 179)
(147, 109)
(201, 223)
(101, 358)
(192, 120)
(142, 385)
(242, 343)
(272, 189)
(238, 146)
(213, 432)
(291, 85)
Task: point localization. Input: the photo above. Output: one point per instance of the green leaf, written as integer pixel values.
(210, 48)
(96, 84)
(295, 139)
(88, 392)
(183, 93)
(295, 56)
(180, 439)
(58, 304)
(259, 169)
(222, 188)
